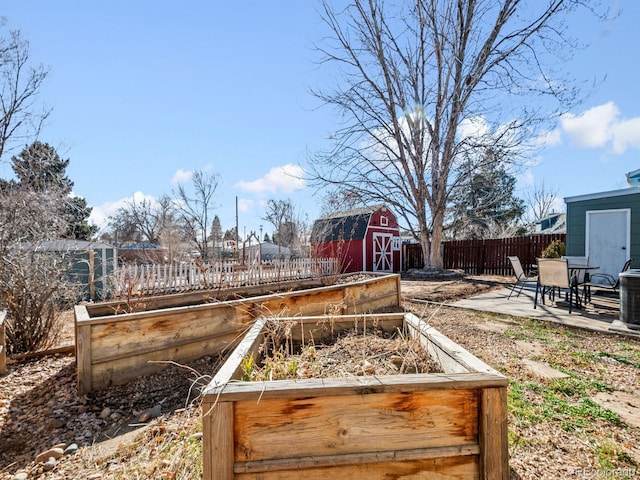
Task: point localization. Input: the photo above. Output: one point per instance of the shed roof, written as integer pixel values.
(343, 226)
(596, 196)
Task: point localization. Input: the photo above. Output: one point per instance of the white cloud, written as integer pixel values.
(474, 127)
(527, 178)
(286, 178)
(181, 176)
(626, 134)
(245, 205)
(593, 128)
(100, 214)
(549, 138)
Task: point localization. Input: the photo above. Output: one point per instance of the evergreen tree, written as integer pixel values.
(484, 206)
(216, 236)
(39, 169)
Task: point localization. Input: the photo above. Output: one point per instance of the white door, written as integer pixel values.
(382, 252)
(608, 239)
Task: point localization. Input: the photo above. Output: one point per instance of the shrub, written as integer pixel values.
(555, 249)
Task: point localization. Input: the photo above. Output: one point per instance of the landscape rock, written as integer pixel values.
(71, 449)
(50, 464)
(54, 453)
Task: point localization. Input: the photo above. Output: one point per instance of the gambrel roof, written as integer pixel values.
(346, 225)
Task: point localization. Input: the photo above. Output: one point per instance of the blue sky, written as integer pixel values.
(145, 92)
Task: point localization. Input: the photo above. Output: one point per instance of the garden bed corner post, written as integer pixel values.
(217, 434)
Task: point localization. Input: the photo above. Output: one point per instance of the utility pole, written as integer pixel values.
(237, 239)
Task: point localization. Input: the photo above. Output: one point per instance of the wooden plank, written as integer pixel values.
(119, 371)
(230, 369)
(352, 424)
(160, 333)
(196, 297)
(493, 440)
(453, 357)
(303, 463)
(83, 350)
(321, 328)
(217, 447)
(237, 391)
(360, 385)
(446, 468)
(374, 317)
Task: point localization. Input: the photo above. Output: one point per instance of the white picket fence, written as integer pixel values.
(159, 279)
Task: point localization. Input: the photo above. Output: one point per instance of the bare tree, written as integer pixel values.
(195, 209)
(34, 285)
(280, 214)
(33, 281)
(20, 83)
(540, 201)
(143, 220)
(426, 83)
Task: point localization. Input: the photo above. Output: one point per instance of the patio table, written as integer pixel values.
(574, 273)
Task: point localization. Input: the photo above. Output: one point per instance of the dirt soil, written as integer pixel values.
(557, 429)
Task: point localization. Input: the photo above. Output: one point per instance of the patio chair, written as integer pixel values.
(580, 275)
(553, 273)
(522, 278)
(604, 281)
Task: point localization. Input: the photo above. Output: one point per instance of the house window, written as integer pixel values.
(384, 221)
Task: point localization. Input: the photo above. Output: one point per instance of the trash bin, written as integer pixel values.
(630, 298)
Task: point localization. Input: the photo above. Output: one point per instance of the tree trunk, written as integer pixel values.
(435, 257)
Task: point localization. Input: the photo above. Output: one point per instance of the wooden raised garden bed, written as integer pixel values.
(451, 424)
(114, 347)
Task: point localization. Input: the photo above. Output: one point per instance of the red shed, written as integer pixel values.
(364, 239)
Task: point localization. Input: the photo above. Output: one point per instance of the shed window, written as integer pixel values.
(384, 221)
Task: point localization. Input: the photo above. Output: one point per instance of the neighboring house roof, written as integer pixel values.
(345, 225)
(65, 244)
(554, 223)
(140, 246)
(633, 178)
(269, 248)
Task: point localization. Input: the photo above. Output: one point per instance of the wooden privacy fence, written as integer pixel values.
(485, 256)
(159, 279)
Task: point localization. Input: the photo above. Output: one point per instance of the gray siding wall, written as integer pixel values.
(577, 221)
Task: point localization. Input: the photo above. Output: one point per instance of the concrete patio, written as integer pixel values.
(601, 314)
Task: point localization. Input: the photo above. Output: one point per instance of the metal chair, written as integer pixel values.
(522, 278)
(580, 275)
(603, 281)
(553, 273)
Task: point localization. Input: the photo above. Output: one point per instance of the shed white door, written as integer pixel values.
(608, 239)
(382, 252)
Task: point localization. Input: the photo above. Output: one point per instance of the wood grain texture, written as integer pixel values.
(435, 426)
(217, 428)
(117, 348)
(493, 439)
(83, 350)
(451, 356)
(447, 468)
(354, 424)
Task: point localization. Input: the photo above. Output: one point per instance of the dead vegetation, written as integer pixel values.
(355, 352)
